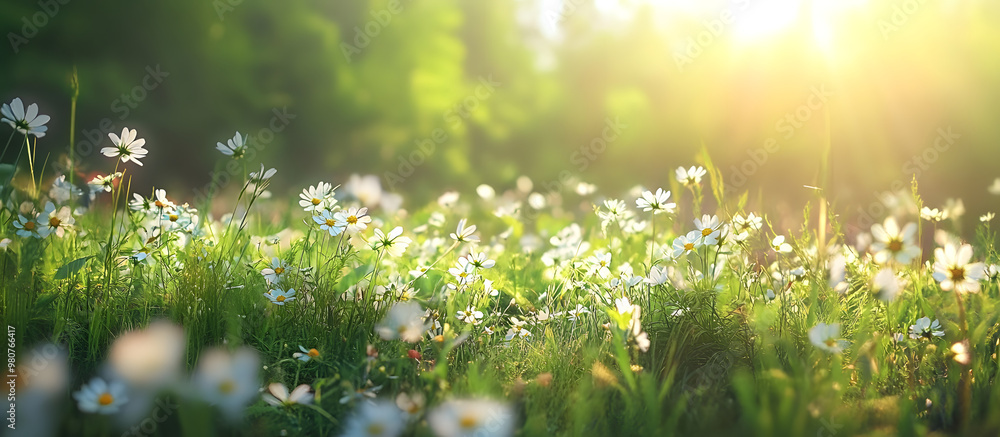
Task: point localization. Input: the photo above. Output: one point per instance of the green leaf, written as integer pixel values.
(72, 267)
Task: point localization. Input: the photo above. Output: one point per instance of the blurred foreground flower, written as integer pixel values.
(472, 417)
(403, 321)
(228, 380)
(376, 419)
(827, 337)
(150, 358)
(101, 397)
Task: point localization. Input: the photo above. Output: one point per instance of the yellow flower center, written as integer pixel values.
(29, 226)
(468, 421)
(105, 399)
(279, 270)
(375, 429)
(689, 246)
(173, 217)
(280, 298)
(352, 220)
(895, 245)
(227, 386)
(159, 204)
(706, 232)
(830, 342)
(330, 222)
(313, 353)
(54, 222)
(316, 201)
(957, 273)
(463, 274)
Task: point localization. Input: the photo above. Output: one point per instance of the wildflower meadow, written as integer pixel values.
(669, 310)
(499, 218)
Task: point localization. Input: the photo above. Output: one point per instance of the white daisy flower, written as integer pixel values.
(104, 183)
(394, 243)
(926, 329)
(278, 395)
(317, 198)
(690, 176)
(54, 221)
(127, 147)
(235, 146)
(470, 315)
(273, 273)
(326, 221)
(656, 202)
(827, 337)
(658, 276)
(26, 122)
(61, 190)
(27, 226)
(893, 242)
(354, 220)
(779, 245)
(463, 234)
(101, 397)
(686, 243)
(280, 297)
(954, 271)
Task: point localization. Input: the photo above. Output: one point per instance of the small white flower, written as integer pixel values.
(104, 183)
(658, 276)
(893, 242)
(273, 273)
(463, 234)
(656, 202)
(317, 197)
(234, 147)
(53, 221)
(394, 243)
(779, 245)
(26, 122)
(827, 337)
(932, 214)
(127, 147)
(353, 220)
(952, 268)
(690, 176)
(686, 243)
(279, 395)
(926, 329)
(327, 222)
(986, 218)
(886, 285)
(470, 315)
(280, 297)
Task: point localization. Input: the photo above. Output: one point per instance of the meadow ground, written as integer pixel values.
(673, 311)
